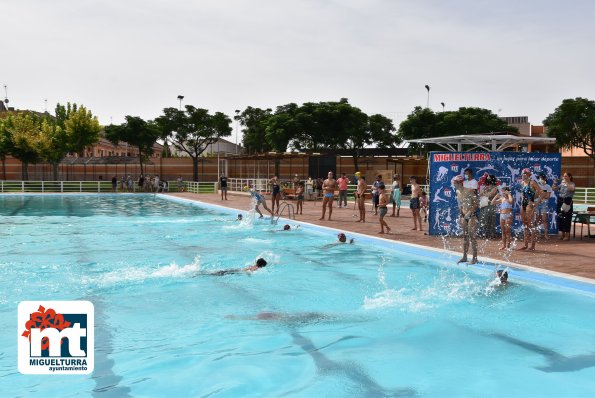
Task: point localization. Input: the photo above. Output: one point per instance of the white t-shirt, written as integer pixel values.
(470, 184)
(546, 187)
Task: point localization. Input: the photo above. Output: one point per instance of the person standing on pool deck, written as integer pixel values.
(395, 197)
(566, 190)
(310, 187)
(360, 195)
(276, 193)
(342, 182)
(223, 186)
(531, 198)
(376, 194)
(468, 204)
(506, 201)
(414, 203)
(382, 209)
(328, 187)
(299, 193)
(543, 208)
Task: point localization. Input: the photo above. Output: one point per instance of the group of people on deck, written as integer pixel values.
(479, 203)
(475, 200)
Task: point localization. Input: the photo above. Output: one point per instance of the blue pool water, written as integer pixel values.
(362, 320)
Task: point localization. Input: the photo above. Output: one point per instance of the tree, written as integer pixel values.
(79, 124)
(136, 132)
(255, 121)
(24, 132)
(5, 144)
(573, 125)
(52, 145)
(193, 130)
(424, 123)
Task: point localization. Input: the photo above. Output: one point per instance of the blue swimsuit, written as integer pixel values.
(528, 195)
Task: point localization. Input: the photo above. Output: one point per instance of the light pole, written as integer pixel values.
(428, 102)
(237, 128)
(442, 103)
(180, 97)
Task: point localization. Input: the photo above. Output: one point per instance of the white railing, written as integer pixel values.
(584, 195)
(95, 187)
(201, 187)
(238, 184)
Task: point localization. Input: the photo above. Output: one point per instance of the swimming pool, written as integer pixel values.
(341, 321)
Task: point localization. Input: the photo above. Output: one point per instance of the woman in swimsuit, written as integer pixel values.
(531, 198)
(505, 200)
(276, 194)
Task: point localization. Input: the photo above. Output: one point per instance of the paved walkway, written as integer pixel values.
(576, 257)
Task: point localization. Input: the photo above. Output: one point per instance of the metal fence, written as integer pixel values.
(584, 195)
(96, 187)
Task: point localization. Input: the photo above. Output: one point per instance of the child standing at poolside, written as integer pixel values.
(423, 204)
(506, 201)
(299, 193)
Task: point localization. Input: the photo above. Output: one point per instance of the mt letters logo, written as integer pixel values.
(56, 337)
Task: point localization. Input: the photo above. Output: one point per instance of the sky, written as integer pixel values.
(134, 57)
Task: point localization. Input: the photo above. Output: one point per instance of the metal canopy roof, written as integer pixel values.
(486, 142)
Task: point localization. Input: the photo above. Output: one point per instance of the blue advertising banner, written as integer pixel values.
(506, 166)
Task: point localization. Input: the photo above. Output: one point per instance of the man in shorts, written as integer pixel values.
(414, 203)
(223, 185)
(328, 189)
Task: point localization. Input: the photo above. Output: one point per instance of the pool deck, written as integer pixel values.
(574, 257)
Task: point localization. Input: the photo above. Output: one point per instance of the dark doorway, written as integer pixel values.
(319, 166)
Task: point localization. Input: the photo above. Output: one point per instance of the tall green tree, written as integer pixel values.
(573, 125)
(80, 126)
(193, 130)
(24, 130)
(255, 122)
(136, 132)
(425, 123)
(5, 144)
(53, 144)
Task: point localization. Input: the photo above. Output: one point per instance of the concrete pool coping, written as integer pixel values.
(517, 271)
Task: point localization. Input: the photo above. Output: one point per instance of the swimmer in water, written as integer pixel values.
(240, 217)
(503, 276)
(260, 263)
(342, 238)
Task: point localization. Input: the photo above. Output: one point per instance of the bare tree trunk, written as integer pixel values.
(4, 167)
(140, 160)
(25, 171)
(195, 168)
(355, 158)
(55, 170)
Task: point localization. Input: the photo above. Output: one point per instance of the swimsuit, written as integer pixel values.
(505, 216)
(382, 210)
(276, 189)
(528, 195)
(329, 195)
(414, 203)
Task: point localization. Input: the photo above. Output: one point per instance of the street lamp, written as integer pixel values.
(237, 127)
(428, 103)
(180, 97)
(442, 103)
